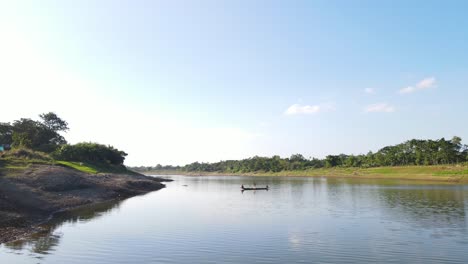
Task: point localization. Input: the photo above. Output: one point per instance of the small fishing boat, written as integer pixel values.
(254, 188)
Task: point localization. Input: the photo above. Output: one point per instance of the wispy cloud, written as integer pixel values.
(380, 108)
(421, 85)
(426, 83)
(297, 109)
(369, 91)
(407, 90)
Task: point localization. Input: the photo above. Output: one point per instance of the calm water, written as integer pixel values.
(299, 220)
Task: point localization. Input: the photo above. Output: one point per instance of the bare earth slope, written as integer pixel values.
(31, 197)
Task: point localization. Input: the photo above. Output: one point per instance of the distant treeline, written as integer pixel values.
(412, 152)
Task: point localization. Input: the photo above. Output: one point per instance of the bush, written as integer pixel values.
(90, 152)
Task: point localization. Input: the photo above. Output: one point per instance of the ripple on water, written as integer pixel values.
(300, 220)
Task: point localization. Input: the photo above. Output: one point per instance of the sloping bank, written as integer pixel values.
(32, 196)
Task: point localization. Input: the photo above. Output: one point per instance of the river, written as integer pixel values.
(298, 220)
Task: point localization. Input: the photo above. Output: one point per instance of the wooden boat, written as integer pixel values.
(254, 188)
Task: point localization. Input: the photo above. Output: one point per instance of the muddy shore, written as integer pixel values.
(33, 196)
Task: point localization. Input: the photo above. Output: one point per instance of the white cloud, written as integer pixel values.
(424, 84)
(408, 89)
(297, 109)
(380, 107)
(369, 91)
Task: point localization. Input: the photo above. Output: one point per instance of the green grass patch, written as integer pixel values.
(87, 167)
(454, 173)
(419, 170)
(80, 166)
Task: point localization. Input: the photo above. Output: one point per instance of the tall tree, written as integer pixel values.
(53, 122)
(37, 135)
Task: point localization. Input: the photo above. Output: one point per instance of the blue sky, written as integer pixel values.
(173, 82)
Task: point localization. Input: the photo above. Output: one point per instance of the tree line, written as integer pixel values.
(44, 135)
(411, 152)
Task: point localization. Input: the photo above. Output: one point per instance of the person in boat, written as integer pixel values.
(242, 186)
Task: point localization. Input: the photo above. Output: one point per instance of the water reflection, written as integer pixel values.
(429, 208)
(208, 219)
(44, 241)
(422, 205)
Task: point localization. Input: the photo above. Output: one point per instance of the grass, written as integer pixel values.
(25, 154)
(79, 166)
(450, 173)
(12, 166)
(16, 161)
(92, 168)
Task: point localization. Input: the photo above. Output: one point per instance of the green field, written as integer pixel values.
(452, 173)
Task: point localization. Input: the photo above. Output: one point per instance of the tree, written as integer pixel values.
(457, 148)
(457, 142)
(465, 152)
(297, 157)
(332, 161)
(27, 133)
(412, 152)
(53, 122)
(6, 133)
(21, 140)
(38, 136)
(275, 164)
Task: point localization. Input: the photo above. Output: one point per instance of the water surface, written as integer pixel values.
(299, 220)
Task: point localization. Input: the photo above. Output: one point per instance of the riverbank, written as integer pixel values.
(31, 195)
(442, 173)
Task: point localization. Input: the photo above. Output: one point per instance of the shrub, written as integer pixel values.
(90, 152)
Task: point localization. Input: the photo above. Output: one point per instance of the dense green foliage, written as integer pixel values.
(90, 152)
(412, 152)
(27, 137)
(6, 132)
(36, 135)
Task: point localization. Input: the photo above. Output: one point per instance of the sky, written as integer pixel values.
(173, 82)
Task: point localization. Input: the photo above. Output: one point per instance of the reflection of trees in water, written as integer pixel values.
(419, 206)
(295, 189)
(228, 182)
(46, 240)
(40, 243)
(353, 196)
(85, 213)
(426, 207)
